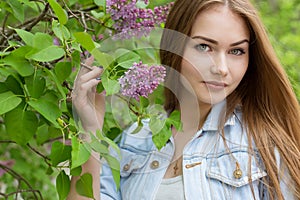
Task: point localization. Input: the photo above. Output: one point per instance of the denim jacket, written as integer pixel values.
(212, 168)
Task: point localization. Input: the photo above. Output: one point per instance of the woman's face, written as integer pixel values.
(217, 55)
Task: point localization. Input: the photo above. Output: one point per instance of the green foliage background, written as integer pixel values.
(36, 78)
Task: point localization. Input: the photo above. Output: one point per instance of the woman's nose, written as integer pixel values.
(219, 65)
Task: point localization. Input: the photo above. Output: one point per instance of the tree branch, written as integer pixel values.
(39, 18)
(20, 178)
(4, 24)
(46, 159)
(29, 24)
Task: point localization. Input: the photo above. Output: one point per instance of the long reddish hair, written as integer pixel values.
(270, 108)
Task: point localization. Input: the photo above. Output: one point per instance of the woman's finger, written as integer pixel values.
(81, 94)
(83, 70)
(95, 73)
(88, 86)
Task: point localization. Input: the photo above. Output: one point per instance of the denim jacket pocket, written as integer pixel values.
(224, 168)
(132, 163)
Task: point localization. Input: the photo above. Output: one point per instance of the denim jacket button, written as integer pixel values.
(237, 173)
(154, 164)
(126, 167)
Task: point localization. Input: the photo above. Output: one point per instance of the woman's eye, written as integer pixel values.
(202, 47)
(237, 52)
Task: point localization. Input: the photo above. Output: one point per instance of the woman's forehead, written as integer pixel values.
(219, 22)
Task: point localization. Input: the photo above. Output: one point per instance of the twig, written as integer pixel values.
(39, 18)
(67, 85)
(20, 178)
(129, 104)
(31, 23)
(4, 23)
(99, 22)
(70, 11)
(86, 28)
(40, 154)
(52, 140)
(18, 192)
(89, 9)
(86, 66)
(7, 141)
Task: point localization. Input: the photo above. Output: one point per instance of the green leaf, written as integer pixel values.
(103, 59)
(47, 109)
(100, 88)
(80, 153)
(59, 88)
(144, 102)
(35, 85)
(8, 101)
(85, 40)
(126, 58)
(42, 41)
(63, 185)
(3, 87)
(18, 62)
(13, 84)
(59, 11)
(76, 58)
(46, 132)
(175, 120)
(72, 2)
(100, 135)
(141, 4)
(60, 31)
(111, 86)
(59, 153)
(49, 170)
(21, 125)
(26, 36)
(63, 70)
(84, 186)
(100, 3)
(114, 165)
(161, 138)
(42, 134)
(76, 171)
(97, 146)
(2, 54)
(18, 9)
(46, 55)
(156, 124)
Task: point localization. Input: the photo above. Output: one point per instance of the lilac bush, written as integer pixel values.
(131, 21)
(141, 80)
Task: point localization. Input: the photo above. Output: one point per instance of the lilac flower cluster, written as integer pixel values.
(131, 21)
(141, 80)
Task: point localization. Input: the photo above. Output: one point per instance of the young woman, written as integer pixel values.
(241, 120)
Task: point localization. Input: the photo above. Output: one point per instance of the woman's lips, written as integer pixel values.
(215, 85)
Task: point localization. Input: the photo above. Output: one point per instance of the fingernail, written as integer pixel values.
(101, 67)
(98, 78)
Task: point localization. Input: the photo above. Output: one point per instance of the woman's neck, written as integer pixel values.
(193, 112)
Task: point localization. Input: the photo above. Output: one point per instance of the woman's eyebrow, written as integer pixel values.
(205, 38)
(216, 42)
(239, 42)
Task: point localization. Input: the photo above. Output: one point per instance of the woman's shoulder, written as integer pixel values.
(137, 138)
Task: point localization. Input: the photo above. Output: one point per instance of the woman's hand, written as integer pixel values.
(89, 106)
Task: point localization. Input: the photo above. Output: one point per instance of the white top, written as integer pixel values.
(171, 189)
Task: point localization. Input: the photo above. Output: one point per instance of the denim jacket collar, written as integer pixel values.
(215, 115)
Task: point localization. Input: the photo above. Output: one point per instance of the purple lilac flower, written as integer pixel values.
(131, 21)
(56, 41)
(161, 13)
(6, 163)
(141, 80)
